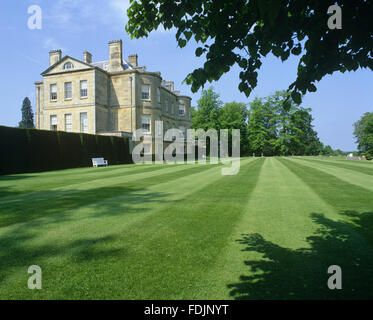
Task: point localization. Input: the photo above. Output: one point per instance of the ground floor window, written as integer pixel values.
(53, 121)
(84, 122)
(68, 123)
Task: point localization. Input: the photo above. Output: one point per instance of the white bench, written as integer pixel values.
(99, 162)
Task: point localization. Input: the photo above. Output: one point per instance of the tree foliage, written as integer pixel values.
(274, 125)
(206, 116)
(364, 134)
(243, 32)
(279, 126)
(27, 115)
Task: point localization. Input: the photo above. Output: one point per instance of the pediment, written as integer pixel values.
(67, 64)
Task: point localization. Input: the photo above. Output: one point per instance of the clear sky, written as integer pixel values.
(78, 25)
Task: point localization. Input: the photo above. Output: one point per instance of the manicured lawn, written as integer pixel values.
(187, 232)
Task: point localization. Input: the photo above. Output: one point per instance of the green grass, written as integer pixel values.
(187, 232)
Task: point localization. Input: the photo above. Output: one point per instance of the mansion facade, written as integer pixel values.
(113, 97)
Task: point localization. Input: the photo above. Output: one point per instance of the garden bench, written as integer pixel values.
(99, 162)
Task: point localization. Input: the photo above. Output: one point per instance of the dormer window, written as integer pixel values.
(68, 65)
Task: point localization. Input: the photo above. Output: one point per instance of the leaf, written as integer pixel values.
(312, 88)
(296, 50)
(199, 51)
(188, 35)
(296, 96)
(181, 43)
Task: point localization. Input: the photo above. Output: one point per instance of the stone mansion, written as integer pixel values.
(113, 97)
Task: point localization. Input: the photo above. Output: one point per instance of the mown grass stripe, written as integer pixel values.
(16, 209)
(368, 171)
(341, 195)
(350, 176)
(10, 184)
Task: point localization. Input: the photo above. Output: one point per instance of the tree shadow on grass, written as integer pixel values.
(284, 273)
(45, 203)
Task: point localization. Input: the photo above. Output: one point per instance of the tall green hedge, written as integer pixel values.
(31, 150)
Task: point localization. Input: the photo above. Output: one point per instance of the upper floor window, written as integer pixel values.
(181, 110)
(68, 65)
(158, 95)
(145, 123)
(53, 120)
(166, 105)
(68, 90)
(145, 92)
(84, 122)
(68, 123)
(84, 89)
(53, 90)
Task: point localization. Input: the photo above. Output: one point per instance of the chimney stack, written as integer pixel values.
(115, 56)
(169, 85)
(87, 57)
(54, 56)
(132, 59)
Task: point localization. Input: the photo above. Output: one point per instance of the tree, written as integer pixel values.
(305, 140)
(243, 32)
(27, 115)
(364, 134)
(261, 128)
(206, 115)
(279, 126)
(233, 115)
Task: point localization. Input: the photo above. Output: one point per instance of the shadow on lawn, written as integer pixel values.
(17, 246)
(284, 273)
(31, 206)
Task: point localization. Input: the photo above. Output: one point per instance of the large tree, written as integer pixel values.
(364, 134)
(233, 115)
(27, 115)
(279, 126)
(244, 31)
(261, 129)
(206, 115)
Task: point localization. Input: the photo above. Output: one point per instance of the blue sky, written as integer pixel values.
(78, 25)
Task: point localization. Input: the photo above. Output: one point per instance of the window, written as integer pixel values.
(158, 95)
(84, 122)
(181, 110)
(68, 65)
(172, 108)
(84, 89)
(53, 92)
(145, 123)
(166, 105)
(53, 123)
(68, 90)
(145, 92)
(68, 123)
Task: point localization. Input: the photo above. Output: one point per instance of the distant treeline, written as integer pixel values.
(271, 126)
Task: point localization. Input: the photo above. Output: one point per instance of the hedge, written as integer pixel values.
(31, 150)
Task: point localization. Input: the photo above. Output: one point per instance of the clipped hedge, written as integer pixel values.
(31, 150)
